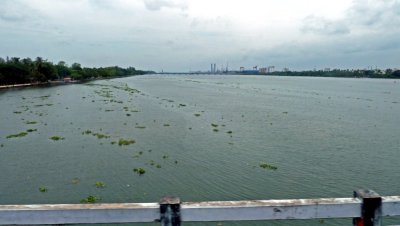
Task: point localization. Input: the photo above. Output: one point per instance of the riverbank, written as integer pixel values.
(22, 85)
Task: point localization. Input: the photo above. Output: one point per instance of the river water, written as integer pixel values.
(201, 138)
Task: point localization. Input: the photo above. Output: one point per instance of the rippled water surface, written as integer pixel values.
(201, 138)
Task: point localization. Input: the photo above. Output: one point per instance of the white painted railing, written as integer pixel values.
(170, 211)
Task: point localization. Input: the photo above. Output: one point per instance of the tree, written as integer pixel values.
(62, 69)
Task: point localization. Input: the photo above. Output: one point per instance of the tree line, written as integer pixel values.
(377, 73)
(15, 70)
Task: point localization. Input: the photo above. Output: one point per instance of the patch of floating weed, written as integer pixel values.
(229, 132)
(31, 130)
(165, 156)
(139, 171)
(140, 127)
(1, 145)
(125, 142)
(113, 142)
(182, 105)
(128, 114)
(100, 136)
(166, 124)
(268, 166)
(56, 138)
(87, 132)
(108, 110)
(17, 112)
(214, 125)
(75, 180)
(176, 161)
(22, 134)
(158, 166)
(100, 184)
(43, 189)
(31, 122)
(215, 130)
(197, 115)
(90, 199)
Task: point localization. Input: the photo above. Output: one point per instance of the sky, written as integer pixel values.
(189, 35)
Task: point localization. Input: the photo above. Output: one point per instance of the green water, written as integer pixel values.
(208, 134)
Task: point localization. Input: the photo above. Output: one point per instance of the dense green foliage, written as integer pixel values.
(377, 73)
(18, 71)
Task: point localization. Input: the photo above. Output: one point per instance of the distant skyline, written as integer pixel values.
(184, 35)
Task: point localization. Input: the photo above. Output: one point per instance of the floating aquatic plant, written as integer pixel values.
(43, 189)
(166, 124)
(56, 138)
(229, 132)
(100, 184)
(139, 171)
(101, 136)
(214, 125)
(22, 134)
(215, 130)
(140, 127)
(182, 105)
(197, 114)
(90, 199)
(75, 180)
(30, 122)
(31, 130)
(125, 142)
(268, 166)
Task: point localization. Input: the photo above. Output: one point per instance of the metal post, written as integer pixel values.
(371, 208)
(170, 211)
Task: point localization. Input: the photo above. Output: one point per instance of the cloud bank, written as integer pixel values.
(178, 35)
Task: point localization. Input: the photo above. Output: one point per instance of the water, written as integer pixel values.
(327, 136)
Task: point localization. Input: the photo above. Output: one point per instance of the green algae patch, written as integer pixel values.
(56, 138)
(100, 184)
(90, 199)
(31, 130)
(268, 166)
(125, 142)
(43, 189)
(22, 134)
(100, 136)
(139, 171)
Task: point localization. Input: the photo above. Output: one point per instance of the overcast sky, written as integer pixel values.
(183, 35)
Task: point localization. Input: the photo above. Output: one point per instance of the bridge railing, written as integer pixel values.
(366, 208)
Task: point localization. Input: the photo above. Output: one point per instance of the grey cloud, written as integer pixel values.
(319, 25)
(12, 11)
(155, 5)
(381, 15)
(376, 14)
